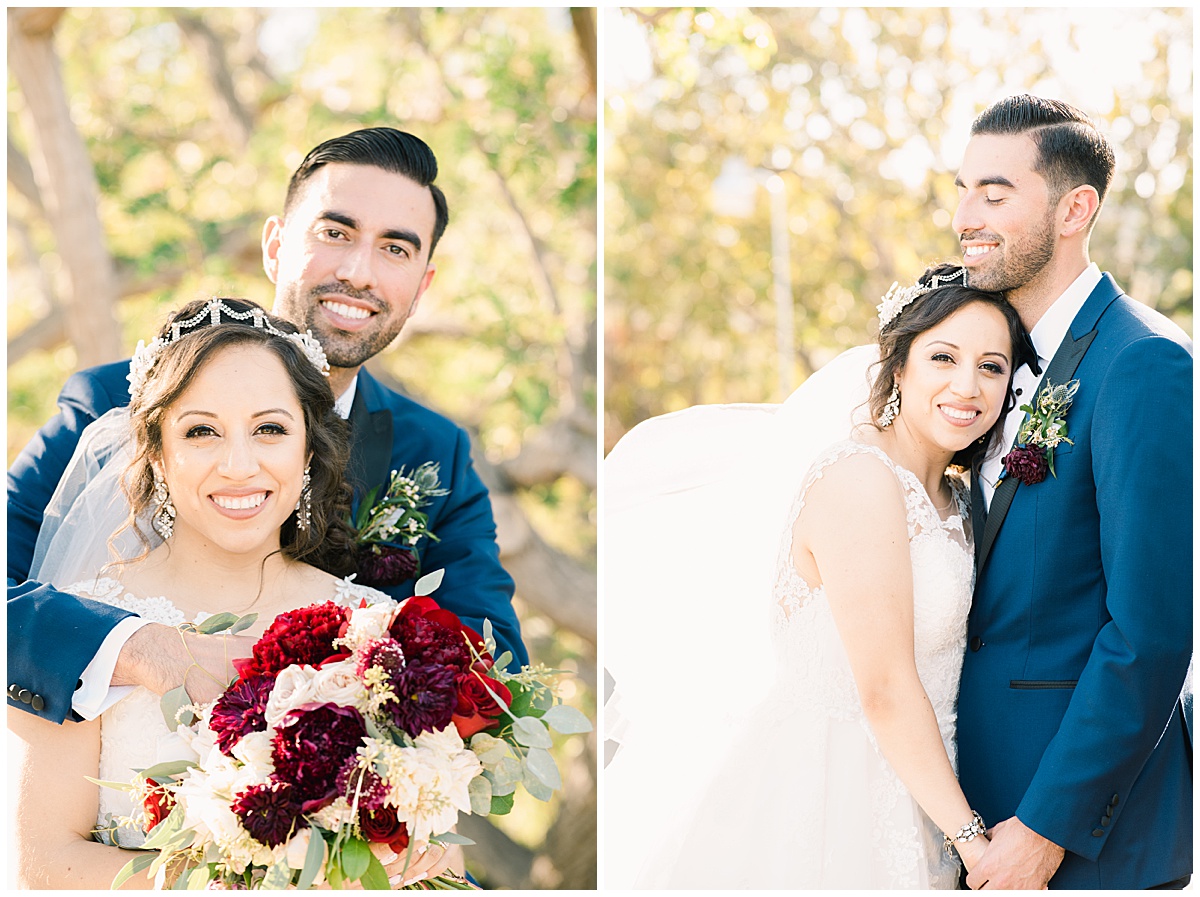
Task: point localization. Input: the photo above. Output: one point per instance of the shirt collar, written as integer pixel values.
(1048, 332)
(344, 402)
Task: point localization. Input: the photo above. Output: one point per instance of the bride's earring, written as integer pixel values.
(891, 409)
(304, 502)
(163, 520)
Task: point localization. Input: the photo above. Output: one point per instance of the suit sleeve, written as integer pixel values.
(52, 635)
(476, 585)
(1142, 463)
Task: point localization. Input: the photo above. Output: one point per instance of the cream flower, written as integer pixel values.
(293, 688)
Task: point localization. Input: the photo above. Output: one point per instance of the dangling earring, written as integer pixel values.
(891, 409)
(304, 502)
(163, 520)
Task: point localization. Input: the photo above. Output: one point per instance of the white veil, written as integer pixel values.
(694, 507)
(88, 506)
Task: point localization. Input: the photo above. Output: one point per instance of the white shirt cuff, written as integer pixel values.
(97, 693)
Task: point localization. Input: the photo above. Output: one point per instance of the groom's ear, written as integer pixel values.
(1078, 209)
(272, 238)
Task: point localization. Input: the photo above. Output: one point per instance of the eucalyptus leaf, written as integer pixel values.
(542, 765)
(428, 583)
(567, 720)
(543, 700)
(133, 867)
(501, 788)
(489, 749)
(454, 838)
(198, 878)
(163, 833)
(216, 623)
(507, 771)
(170, 704)
(168, 769)
(535, 786)
(376, 877)
(278, 877)
(480, 790)
(118, 786)
(312, 860)
(504, 660)
(531, 732)
(356, 856)
(243, 624)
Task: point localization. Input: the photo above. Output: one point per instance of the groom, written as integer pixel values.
(1072, 739)
(350, 258)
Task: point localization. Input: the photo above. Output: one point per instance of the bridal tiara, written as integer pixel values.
(897, 298)
(145, 356)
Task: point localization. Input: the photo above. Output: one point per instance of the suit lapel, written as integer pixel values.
(371, 443)
(1062, 368)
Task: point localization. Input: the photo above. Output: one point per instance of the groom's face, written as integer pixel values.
(350, 259)
(1005, 219)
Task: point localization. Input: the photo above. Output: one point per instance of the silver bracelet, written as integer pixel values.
(967, 833)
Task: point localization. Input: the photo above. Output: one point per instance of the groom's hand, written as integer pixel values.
(1018, 858)
(161, 658)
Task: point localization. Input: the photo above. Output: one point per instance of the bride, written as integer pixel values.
(237, 462)
(837, 770)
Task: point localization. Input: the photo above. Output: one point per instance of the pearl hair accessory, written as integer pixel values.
(145, 356)
(897, 298)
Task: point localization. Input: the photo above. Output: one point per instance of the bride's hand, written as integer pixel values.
(161, 658)
(971, 852)
(431, 862)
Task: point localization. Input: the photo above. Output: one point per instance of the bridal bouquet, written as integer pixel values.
(350, 734)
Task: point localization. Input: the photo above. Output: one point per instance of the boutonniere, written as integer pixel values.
(1044, 427)
(388, 530)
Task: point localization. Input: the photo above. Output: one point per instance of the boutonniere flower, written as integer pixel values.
(389, 529)
(1044, 427)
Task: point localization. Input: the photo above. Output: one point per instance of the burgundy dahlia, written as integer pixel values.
(302, 636)
(1027, 463)
(430, 634)
(365, 785)
(384, 653)
(241, 710)
(269, 812)
(426, 695)
(385, 565)
(311, 746)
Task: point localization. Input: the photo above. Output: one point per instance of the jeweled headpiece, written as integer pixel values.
(145, 356)
(897, 298)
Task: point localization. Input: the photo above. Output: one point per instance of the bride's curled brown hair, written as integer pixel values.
(328, 541)
(927, 311)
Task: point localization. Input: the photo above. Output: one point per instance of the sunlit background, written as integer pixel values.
(147, 146)
(830, 138)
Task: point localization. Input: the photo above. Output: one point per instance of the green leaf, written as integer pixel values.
(167, 769)
(165, 831)
(428, 583)
(454, 838)
(375, 878)
(333, 874)
(531, 732)
(522, 698)
(488, 749)
(170, 704)
(198, 878)
(567, 720)
(502, 804)
(356, 855)
(504, 660)
(542, 765)
(118, 786)
(536, 786)
(243, 624)
(312, 861)
(216, 623)
(278, 877)
(132, 868)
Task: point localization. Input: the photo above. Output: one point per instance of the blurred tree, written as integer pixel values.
(864, 114)
(193, 119)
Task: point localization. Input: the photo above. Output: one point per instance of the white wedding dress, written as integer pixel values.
(133, 733)
(804, 798)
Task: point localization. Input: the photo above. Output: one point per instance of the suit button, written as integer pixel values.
(25, 696)
(1106, 820)
(1113, 802)
(39, 703)
(1108, 811)
(1097, 833)
(14, 692)
(976, 643)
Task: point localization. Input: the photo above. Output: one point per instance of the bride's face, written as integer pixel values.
(234, 451)
(953, 386)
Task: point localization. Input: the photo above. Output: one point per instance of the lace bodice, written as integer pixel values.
(814, 671)
(133, 734)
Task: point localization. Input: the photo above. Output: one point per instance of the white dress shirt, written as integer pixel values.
(95, 693)
(1047, 335)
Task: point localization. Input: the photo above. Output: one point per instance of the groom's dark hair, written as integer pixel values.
(1071, 149)
(396, 151)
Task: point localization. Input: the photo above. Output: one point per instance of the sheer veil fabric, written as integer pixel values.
(694, 506)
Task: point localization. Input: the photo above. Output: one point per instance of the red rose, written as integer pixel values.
(477, 709)
(382, 827)
(157, 804)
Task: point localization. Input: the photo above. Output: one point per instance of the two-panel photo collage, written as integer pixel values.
(600, 448)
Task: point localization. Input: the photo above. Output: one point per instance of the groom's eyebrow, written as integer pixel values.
(394, 233)
(990, 180)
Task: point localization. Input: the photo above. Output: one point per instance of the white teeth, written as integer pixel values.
(971, 251)
(347, 311)
(959, 415)
(240, 502)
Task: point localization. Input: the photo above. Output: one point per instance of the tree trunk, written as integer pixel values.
(66, 183)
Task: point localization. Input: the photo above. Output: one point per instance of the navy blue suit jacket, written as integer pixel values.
(1080, 634)
(52, 635)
